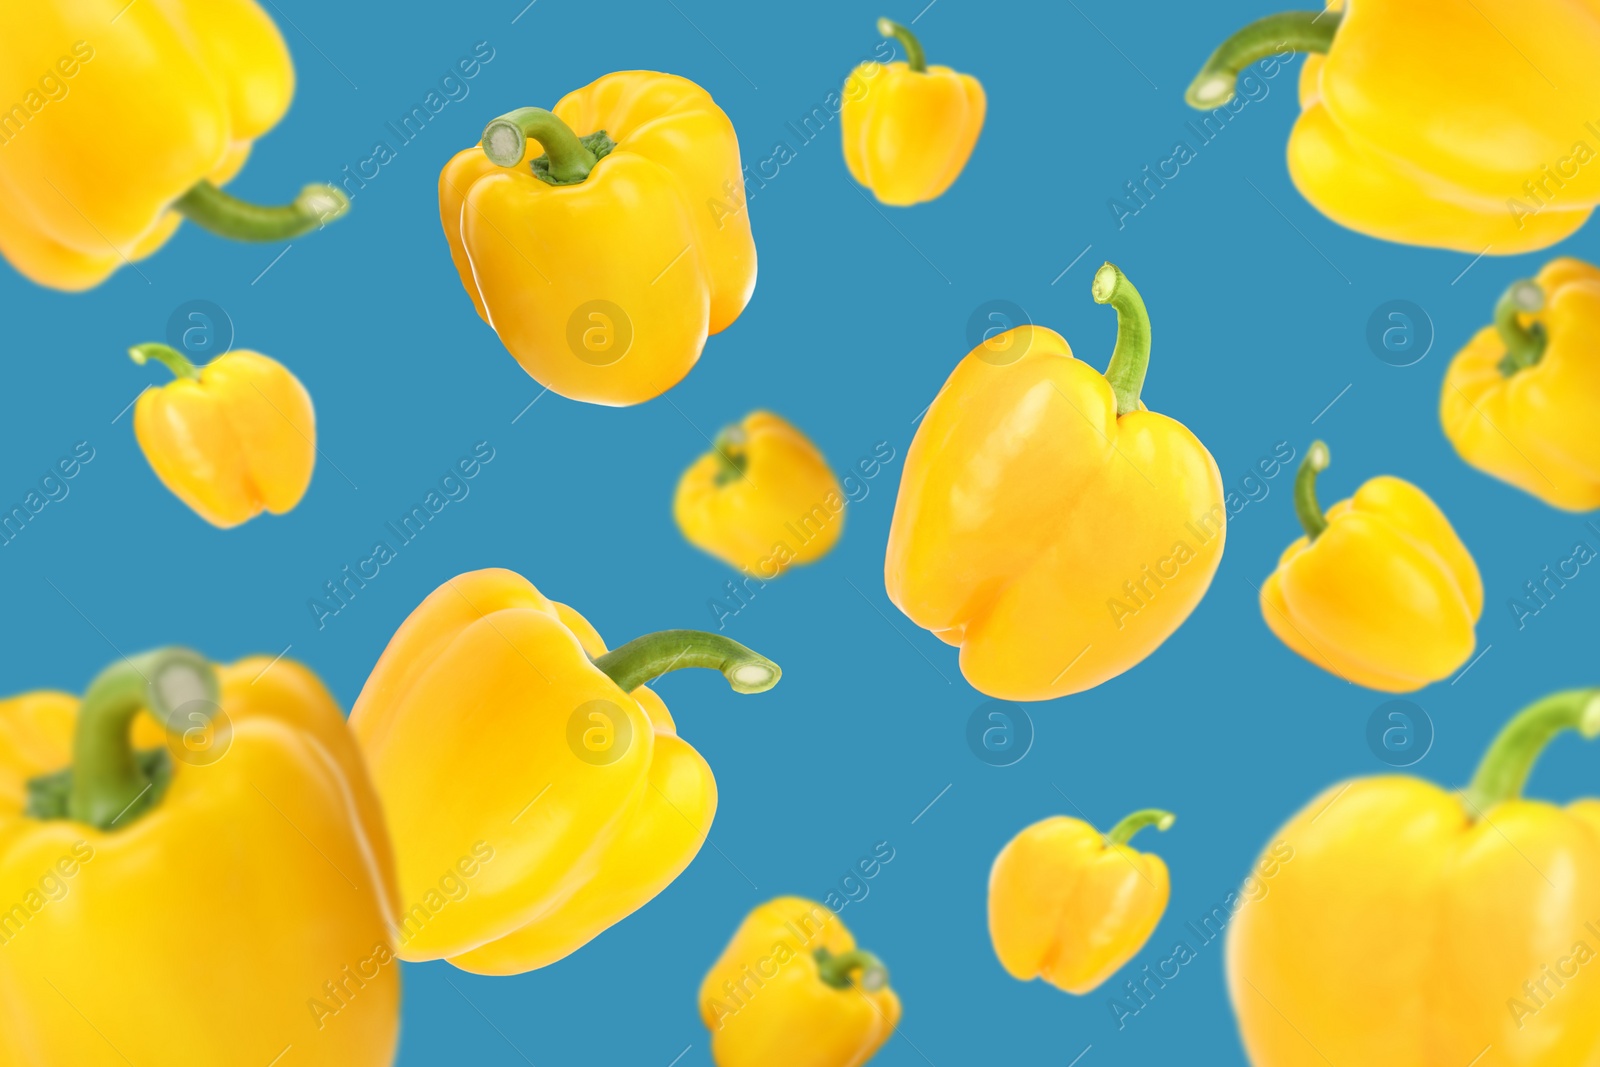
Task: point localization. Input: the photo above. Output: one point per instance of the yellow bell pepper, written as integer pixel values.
(169, 97)
(908, 136)
(1421, 927)
(497, 719)
(228, 439)
(763, 499)
(793, 988)
(1522, 400)
(1047, 523)
(1424, 123)
(195, 872)
(1070, 905)
(1380, 591)
(605, 262)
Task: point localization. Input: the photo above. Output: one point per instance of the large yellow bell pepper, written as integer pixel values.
(228, 439)
(1522, 400)
(1047, 523)
(219, 898)
(1423, 122)
(1419, 928)
(793, 988)
(497, 718)
(1071, 905)
(605, 262)
(910, 133)
(1380, 591)
(118, 120)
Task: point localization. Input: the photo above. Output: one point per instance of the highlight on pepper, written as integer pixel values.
(1049, 524)
(793, 987)
(1424, 123)
(1071, 905)
(604, 239)
(166, 102)
(1421, 926)
(1522, 400)
(909, 128)
(231, 439)
(496, 723)
(196, 867)
(1380, 591)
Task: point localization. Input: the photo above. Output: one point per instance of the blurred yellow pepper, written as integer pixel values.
(793, 988)
(195, 872)
(1047, 523)
(762, 499)
(1424, 123)
(605, 262)
(497, 724)
(1380, 591)
(908, 136)
(228, 439)
(1419, 926)
(1070, 905)
(1522, 400)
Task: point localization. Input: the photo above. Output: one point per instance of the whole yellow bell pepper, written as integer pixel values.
(1070, 905)
(228, 439)
(1380, 591)
(1047, 523)
(496, 719)
(170, 97)
(763, 499)
(605, 262)
(1424, 123)
(1522, 400)
(195, 872)
(1419, 926)
(793, 988)
(910, 133)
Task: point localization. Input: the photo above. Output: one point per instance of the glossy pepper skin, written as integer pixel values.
(174, 93)
(763, 499)
(1072, 905)
(195, 871)
(1380, 591)
(1419, 926)
(605, 262)
(1522, 400)
(230, 439)
(910, 132)
(1423, 123)
(495, 721)
(1047, 523)
(793, 988)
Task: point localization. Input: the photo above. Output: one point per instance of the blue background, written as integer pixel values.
(1261, 310)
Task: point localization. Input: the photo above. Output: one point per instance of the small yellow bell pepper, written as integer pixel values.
(605, 262)
(1047, 523)
(1380, 591)
(195, 872)
(497, 718)
(763, 499)
(1522, 400)
(1418, 926)
(1424, 123)
(1070, 905)
(910, 133)
(228, 439)
(793, 988)
(170, 97)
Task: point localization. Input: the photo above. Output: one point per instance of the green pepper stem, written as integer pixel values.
(730, 448)
(239, 220)
(1298, 31)
(1305, 490)
(836, 970)
(1123, 832)
(915, 59)
(1510, 758)
(1524, 344)
(647, 658)
(1131, 358)
(174, 360)
(505, 142)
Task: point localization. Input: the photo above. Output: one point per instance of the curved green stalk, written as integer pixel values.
(567, 158)
(1298, 31)
(646, 658)
(836, 970)
(1131, 358)
(915, 59)
(1123, 832)
(210, 208)
(1524, 344)
(1506, 765)
(174, 360)
(1305, 490)
(730, 448)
